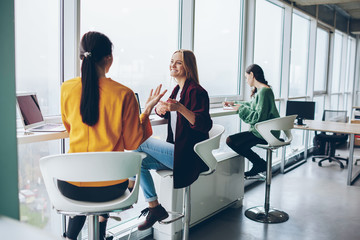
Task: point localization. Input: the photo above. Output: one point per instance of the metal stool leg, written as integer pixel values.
(63, 224)
(266, 214)
(186, 213)
(93, 228)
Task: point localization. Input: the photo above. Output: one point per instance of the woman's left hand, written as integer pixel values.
(153, 99)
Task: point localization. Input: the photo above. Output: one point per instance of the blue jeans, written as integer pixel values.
(160, 156)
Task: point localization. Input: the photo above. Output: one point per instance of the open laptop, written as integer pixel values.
(138, 100)
(32, 117)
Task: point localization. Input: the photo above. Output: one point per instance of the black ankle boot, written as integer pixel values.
(257, 168)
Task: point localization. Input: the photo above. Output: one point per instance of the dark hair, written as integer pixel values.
(189, 63)
(258, 74)
(94, 46)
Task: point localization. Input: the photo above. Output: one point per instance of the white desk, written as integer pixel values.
(47, 136)
(31, 137)
(335, 127)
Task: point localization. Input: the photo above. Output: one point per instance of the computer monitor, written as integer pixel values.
(304, 110)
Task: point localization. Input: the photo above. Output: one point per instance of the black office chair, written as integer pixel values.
(332, 140)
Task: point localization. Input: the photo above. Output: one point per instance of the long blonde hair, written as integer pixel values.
(189, 63)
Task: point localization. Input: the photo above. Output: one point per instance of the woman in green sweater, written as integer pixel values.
(260, 108)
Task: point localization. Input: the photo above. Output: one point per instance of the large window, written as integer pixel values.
(336, 67)
(319, 107)
(349, 75)
(321, 60)
(268, 41)
(144, 37)
(37, 44)
(299, 57)
(216, 45)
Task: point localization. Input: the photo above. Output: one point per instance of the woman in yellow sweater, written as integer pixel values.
(100, 115)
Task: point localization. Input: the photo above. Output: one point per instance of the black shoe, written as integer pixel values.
(155, 214)
(255, 170)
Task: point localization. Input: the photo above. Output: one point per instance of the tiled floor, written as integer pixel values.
(320, 205)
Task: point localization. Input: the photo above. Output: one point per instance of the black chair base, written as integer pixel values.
(331, 159)
(258, 214)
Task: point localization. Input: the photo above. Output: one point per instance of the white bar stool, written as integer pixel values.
(266, 214)
(91, 167)
(204, 150)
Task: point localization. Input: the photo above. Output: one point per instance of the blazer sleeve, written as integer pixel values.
(200, 105)
(135, 129)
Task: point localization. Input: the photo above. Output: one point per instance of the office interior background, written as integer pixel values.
(308, 52)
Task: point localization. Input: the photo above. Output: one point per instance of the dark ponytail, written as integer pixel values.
(258, 75)
(94, 47)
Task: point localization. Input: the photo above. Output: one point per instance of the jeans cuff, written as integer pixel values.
(151, 199)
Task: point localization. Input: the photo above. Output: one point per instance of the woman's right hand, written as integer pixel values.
(153, 99)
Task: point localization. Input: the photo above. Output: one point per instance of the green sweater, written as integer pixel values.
(261, 108)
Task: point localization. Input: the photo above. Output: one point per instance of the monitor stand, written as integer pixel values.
(300, 121)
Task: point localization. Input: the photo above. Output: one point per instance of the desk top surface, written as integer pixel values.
(31, 137)
(336, 127)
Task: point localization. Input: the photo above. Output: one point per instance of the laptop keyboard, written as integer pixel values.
(47, 127)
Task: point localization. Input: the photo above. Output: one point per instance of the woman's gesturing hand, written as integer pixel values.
(153, 99)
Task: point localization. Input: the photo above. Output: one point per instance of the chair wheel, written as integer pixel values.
(342, 165)
(319, 164)
(313, 159)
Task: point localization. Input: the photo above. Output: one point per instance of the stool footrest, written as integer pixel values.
(258, 214)
(174, 217)
(259, 176)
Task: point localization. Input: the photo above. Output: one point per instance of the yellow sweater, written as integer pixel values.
(119, 126)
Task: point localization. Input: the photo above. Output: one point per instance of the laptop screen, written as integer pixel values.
(138, 100)
(29, 109)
